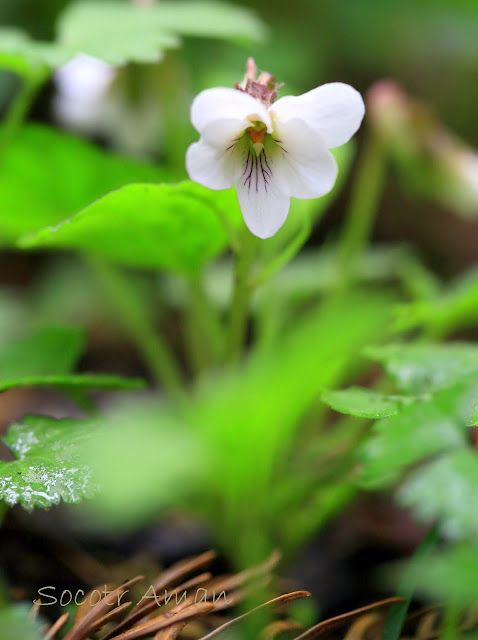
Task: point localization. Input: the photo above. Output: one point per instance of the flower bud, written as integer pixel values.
(263, 88)
(431, 160)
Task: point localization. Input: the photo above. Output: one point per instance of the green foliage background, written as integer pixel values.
(286, 376)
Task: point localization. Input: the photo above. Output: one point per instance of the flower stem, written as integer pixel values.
(241, 297)
(365, 198)
(138, 324)
(204, 330)
(286, 255)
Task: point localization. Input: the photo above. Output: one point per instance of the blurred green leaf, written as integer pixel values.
(448, 575)
(48, 351)
(13, 313)
(120, 32)
(158, 461)
(65, 290)
(47, 467)
(211, 19)
(16, 622)
(253, 414)
(252, 418)
(306, 517)
(419, 431)
(46, 357)
(116, 32)
(229, 450)
(19, 53)
(48, 175)
(446, 490)
(173, 227)
(304, 278)
(363, 403)
(71, 383)
(454, 308)
(418, 368)
(435, 422)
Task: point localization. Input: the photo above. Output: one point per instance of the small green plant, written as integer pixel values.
(269, 333)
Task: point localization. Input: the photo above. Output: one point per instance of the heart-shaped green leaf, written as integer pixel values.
(172, 227)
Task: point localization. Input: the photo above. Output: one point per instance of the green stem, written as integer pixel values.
(241, 297)
(365, 198)
(285, 256)
(271, 312)
(138, 323)
(398, 612)
(21, 104)
(205, 332)
(451, 621)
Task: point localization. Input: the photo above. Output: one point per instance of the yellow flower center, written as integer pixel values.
(257, 135)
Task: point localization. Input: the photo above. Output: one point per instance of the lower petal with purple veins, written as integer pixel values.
(263, 201)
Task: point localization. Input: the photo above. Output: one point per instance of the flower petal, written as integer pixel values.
(221, 114)
(306, 168)
(209, 166)
(264, 203)
(333, 110)
(224, 132)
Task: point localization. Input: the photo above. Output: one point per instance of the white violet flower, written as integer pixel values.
(270, 151)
